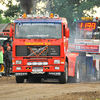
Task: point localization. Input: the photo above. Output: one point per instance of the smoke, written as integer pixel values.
(27, 5)
(35, 6)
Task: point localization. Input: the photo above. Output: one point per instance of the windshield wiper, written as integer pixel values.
(29, 38)
(51, 37)
(37, 38)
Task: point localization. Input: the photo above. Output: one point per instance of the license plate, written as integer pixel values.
(37, 69)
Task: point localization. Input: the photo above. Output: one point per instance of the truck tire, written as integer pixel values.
(77, 72)
(64, 75)
(19, 79)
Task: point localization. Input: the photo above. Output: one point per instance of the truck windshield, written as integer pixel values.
(83, 33)
(38, 30)
(87, 34)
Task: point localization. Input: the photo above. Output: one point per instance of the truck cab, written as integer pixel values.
(40, 46)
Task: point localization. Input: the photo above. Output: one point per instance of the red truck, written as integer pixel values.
(39, 48)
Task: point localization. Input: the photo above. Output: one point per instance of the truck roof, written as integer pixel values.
(49, 20)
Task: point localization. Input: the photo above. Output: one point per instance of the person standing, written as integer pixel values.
(1, 58)
(8, 60)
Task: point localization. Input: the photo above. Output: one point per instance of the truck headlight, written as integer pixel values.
(56, 61)
(40, 63)
(18, 62)
(45, 63)
(35, 63)
(18, 68)
(29, 63)
(57, 68)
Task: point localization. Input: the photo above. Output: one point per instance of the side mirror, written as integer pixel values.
(11, 32)
(67, 33)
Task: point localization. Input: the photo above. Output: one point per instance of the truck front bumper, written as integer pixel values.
(49, 68)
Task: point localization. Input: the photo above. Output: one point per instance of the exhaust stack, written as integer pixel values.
(27, 6)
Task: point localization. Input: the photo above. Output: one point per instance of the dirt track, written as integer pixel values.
(10, 90)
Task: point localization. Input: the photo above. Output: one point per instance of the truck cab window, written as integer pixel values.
(38, 30)
(96, 35)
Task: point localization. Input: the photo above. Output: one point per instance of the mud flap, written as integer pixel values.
(80, 67)
(89, 68)
(85, 67)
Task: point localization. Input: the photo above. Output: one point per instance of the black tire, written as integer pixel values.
(77, 72)
(19, 79)
(64, 75)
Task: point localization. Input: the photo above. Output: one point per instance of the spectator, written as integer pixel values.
(1, 58)
(8, 60)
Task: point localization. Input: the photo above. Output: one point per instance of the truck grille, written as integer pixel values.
(37, 50)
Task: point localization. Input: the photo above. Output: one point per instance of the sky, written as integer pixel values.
(3, 7)
(98, 12)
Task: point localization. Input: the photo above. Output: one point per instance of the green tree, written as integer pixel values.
(13, 10)
(4, 19)
(2, 1)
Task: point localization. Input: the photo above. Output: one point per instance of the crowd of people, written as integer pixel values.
(6, 57)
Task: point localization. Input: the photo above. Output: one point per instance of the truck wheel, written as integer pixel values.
(19, 79)
(77, 72)
(64, 75)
